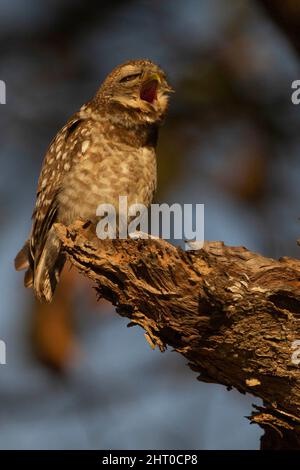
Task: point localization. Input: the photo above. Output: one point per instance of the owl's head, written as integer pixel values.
(138, 86)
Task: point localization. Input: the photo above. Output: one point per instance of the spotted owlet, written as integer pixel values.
(105, 150)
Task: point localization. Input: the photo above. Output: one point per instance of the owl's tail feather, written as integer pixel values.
(48, 268)
(23, 260)
(44, 274)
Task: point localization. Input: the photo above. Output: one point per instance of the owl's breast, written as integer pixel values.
(101, 176)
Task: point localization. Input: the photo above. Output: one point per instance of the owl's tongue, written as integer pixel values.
(149, 91)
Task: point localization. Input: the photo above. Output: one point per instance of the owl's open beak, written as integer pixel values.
(149, 88)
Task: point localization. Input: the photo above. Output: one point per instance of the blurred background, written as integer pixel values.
(76, 377)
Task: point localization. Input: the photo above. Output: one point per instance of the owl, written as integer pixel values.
(105, 150)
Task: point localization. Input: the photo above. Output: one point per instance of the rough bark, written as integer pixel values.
(232, 313)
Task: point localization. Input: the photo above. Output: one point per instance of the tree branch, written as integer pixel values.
(232, 313)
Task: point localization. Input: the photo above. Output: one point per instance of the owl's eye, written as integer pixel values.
(130, 78)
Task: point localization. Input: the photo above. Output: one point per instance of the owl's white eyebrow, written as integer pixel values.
(130, 71)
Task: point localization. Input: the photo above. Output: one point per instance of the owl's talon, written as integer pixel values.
(86, 224)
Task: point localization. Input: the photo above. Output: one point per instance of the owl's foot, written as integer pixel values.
(194, 244)
(138, 235)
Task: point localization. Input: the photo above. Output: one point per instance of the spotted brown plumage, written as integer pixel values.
(106, 150)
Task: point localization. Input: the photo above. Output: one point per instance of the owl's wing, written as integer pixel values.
(42, 255)
(45, 212)
(44, 215)
(45, 256)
